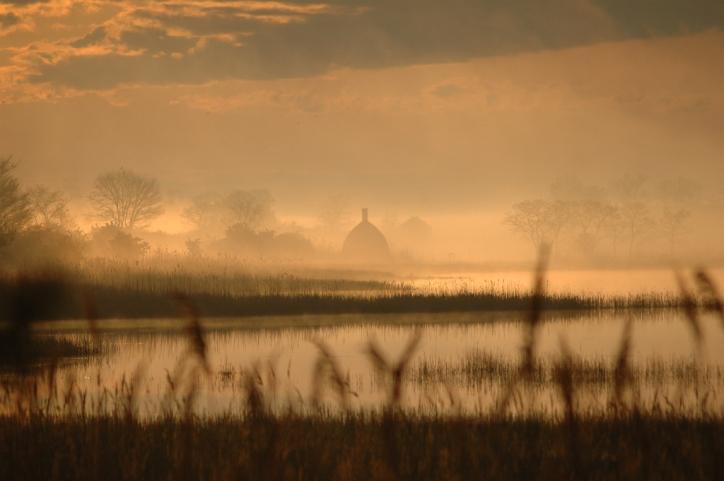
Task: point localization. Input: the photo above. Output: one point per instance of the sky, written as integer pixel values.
(432, 108)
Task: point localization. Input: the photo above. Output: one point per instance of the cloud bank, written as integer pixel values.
(197, 41)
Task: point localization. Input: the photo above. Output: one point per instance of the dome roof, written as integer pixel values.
(365, 242)
(416, 227)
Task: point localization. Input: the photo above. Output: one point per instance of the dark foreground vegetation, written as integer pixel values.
(81, 299)
(361, 448)
(49, 432)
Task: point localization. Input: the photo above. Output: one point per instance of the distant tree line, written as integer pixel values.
(617, 221)
(243, 222)
(36, 225)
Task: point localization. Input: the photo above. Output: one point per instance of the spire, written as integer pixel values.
(364, 214)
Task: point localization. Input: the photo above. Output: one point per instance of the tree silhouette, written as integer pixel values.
(636, 220)
(49, 207)
(672, 223)
(590, 218)
(252, 209)
(539, 220)
(126, 200)
(214, 214)
(15, 211)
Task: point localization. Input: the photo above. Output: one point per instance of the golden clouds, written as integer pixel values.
(102, 44)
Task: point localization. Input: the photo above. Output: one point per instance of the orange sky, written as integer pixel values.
(417, 108)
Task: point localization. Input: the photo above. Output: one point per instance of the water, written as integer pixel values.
(580, 281)
(152, 349)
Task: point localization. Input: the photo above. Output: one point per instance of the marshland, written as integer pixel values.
(124, 355)
(596, 390)
(354, 240)
(122, 360)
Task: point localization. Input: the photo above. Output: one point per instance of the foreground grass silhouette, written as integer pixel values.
(360, 447)
(52, 435)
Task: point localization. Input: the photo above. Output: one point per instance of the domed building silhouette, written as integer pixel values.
(366, 243)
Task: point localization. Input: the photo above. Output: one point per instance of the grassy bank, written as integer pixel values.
(80, 299)
(360, 448)
(57, 431)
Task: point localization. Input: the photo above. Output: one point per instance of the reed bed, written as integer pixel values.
(358, 448)
(477, 368)
(133, 300)
(50, 435)
(221, 279)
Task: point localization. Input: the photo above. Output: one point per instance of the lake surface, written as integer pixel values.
(579, 281)
(283, 351)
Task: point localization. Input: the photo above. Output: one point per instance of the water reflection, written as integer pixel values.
(284, 354)
(580, 281)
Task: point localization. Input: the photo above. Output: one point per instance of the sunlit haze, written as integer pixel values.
(451, 112)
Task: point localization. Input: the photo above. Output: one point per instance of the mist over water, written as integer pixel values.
(603, 141)
(357, 240)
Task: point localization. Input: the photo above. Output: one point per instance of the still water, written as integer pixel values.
(283, 351)
(579, 281)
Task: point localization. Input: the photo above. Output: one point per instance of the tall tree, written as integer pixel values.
(207, 214)
(49, 207)
(637, 221)
(15, 211)
(214, 213)
(540, 221)
(672, 223)
(251, 208)
(590, 219)
(126, 200)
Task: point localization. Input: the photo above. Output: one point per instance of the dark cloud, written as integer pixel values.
(361, 34)
(155, 40)
(641, 18)
(105, 71)
(21, 3)
(8, 20)
(94, 37)
(208, 24)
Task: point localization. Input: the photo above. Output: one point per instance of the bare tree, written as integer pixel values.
(15, 211)
(631, 188)
(49, 207)
(614, 228)
(207, 214)
(213, 214)
(590, 218)
(636, 220)
(250, 208)
(126, 200)
(672, 223)
(540, 221)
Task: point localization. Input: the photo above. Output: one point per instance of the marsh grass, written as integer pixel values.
(45, 349)
(477, 368)
(357, 447)
(222, 279)
(52, 434)
(82, 300)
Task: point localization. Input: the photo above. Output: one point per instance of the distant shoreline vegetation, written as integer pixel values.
(154, 295)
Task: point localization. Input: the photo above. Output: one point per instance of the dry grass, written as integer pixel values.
(358, 448)
(132, 294)
(478, 368)
(52, 435)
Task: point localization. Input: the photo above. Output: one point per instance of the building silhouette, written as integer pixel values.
(365, 243)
